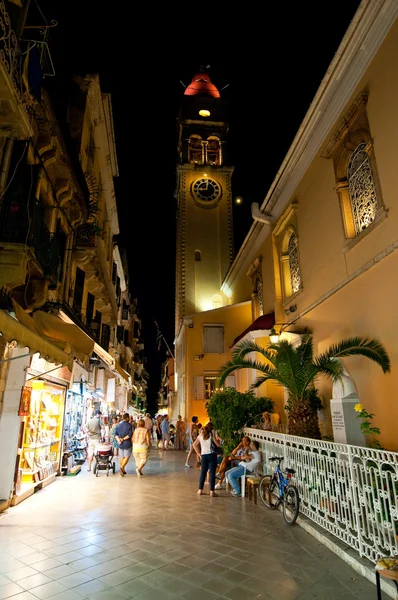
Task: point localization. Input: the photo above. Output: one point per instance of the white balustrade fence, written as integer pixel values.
(351, 491)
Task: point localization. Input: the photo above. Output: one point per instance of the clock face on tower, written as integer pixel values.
(206, 190)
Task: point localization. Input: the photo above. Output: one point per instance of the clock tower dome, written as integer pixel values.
(204, 199)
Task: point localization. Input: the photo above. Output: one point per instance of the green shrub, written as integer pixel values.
(231, 410)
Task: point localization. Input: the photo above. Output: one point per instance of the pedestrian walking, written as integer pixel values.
(180, 434)
(114, 442)
(204, 446)
(94, 434)
(165, 429)
(141, 446)
(124, 433)
(193, 434)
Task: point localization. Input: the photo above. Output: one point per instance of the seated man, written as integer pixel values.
(232, 460)
(249, 464)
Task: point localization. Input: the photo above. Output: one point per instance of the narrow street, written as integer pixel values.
(114, 538)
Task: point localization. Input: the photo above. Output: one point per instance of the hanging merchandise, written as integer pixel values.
(40, 435)
(75, 447)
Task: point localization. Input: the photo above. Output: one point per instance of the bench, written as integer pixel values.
(387, 567)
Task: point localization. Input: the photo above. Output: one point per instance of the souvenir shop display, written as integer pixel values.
(40, 435)
(75, 418)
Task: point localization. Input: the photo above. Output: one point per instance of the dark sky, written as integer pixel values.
(271, 60)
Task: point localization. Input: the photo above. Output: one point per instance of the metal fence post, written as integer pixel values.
(355, 499)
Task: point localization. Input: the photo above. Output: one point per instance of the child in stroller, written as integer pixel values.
(103, 455)
(172, 435)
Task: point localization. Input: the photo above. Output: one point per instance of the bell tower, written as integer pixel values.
(204, 199)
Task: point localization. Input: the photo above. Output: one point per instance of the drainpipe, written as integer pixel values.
(257, 215)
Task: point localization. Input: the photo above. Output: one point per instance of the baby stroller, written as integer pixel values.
(103, 455)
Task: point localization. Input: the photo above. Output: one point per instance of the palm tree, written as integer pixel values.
(297, 370)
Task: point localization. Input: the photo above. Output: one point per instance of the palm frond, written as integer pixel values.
(371, 348)
(235, 364)
(248, 347)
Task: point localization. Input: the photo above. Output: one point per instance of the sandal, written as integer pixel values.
(213, 495)
(200, 492)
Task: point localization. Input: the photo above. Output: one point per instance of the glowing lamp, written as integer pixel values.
(204, 113)
(273, 336)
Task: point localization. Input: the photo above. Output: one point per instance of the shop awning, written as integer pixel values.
(104, 356)
(11, 329)
(58, 331)
(126, 376)
(265, 322)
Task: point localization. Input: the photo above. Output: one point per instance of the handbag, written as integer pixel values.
(214, 447)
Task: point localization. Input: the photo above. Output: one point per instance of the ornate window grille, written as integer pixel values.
(294, 266)
(259, 291)
(361, 188)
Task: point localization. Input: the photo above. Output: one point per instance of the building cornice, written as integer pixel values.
(363, 38)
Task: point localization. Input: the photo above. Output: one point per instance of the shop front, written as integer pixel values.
(78, 407)
(40, 438)
(34, 393)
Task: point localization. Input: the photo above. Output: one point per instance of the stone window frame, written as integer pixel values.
(283, 231)
(353, 130)
(191, 151)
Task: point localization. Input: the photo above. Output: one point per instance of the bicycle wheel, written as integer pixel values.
(267, 489)
(291, 504)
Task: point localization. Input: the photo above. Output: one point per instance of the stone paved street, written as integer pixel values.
(114, 538)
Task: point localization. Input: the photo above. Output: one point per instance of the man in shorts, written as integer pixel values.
(165, 429)
(94, 434)
(123, 434)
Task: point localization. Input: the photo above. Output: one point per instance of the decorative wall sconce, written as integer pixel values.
(291, 309)
(274, 336)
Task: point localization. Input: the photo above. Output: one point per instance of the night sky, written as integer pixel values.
(271, 63)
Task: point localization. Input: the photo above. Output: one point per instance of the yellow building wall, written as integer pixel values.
(267, 270)
(366, 307)
(206, 230)
(243, 287)
(235, 320)
(354, 292)
(242, 290)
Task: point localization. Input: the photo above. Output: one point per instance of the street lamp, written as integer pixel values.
(274, 335)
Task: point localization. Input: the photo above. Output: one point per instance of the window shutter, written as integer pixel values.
(213, 339)
(199, 388)
(230, 381)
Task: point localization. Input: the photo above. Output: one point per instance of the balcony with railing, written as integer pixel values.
(15, 115)
(23, 224)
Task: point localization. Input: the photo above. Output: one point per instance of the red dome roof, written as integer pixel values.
(202, 86)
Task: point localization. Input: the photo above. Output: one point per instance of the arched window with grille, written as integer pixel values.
(290, 263)
(361, 188)
(294, 265)
(357, 181)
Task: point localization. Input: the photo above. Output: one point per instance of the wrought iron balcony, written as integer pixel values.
(18, 226)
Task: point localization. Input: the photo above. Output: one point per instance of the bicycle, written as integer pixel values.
(278, 489)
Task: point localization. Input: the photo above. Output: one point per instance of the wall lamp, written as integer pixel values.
(274, 336)
(291, 309)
